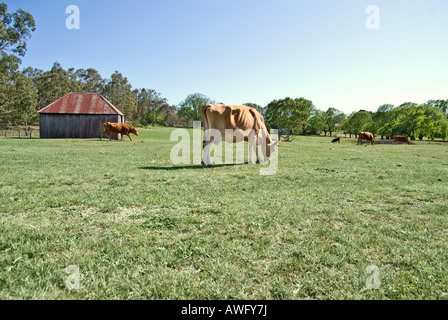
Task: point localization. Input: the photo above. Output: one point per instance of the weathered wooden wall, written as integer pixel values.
(53, 126)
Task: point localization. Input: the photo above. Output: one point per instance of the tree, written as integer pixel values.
(382, 119)
(17, 96)
(434, 123)
(257, 107)
(150, 106)
(54, 84)
(288, 114)
(15, 30)
(442, 105)
(118, 91)
(191, 107)
(331, 119)
(358, 122)
(410, 117)
(315, 122)
(89, 80)
(25, 99)
(9, 65)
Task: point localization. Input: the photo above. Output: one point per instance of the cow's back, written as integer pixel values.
(222, 117)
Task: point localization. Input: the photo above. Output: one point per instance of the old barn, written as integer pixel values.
(78, 115)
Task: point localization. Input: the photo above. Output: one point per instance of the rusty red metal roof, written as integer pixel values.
(81, 103)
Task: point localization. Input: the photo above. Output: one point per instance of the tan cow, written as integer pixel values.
(235, 123)
(366, 136)
(123, 128)
(401, 139)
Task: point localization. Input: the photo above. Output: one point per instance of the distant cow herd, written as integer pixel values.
(370, 138)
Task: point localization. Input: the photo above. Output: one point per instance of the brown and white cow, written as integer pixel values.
(401, 139)
(366, 136)
(232, 124)
(123, 128)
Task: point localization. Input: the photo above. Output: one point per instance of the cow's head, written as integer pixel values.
(268, 149)
(134, 131)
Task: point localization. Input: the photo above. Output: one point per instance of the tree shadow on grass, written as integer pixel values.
(198, 166)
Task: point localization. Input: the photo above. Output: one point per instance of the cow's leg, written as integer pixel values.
(256, 152)
(253, 148)
(206, 160)
(211, 136)
(129, 137)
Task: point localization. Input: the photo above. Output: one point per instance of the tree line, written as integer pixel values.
(300, 116)
(24, 92)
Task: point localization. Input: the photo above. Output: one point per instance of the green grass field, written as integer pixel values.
(138, 227)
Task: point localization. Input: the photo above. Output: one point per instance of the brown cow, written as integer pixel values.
(401, 139)
(366, 136)
(123, 128)
(235, 123)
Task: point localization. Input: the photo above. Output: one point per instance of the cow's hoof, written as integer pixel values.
(204, 165)
(258, 162)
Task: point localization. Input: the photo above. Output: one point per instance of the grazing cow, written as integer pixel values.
(401, 139)
(123, 128)
(366, 136)
(338, 140)
(243, 122)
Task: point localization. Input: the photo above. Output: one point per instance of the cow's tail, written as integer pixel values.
(205, 122)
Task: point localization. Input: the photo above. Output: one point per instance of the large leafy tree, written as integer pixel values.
(434, 122)
(331, 119)
(257, 107)
(118, 91)
(89, 80)
(25, 99)
(289, 114)
(410, 118)
(357, 122)
(442, 105)
(17, 93)
(382, 120)
(54, 84)
(15, 30)
(315, 122)
(151, 107)
(191, 107)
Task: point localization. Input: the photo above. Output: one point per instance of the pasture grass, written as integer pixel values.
(138, 227)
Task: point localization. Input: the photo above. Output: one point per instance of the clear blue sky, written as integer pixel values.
(239, 51)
